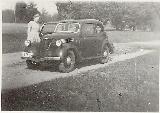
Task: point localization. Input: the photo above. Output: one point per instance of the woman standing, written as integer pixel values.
(33, 29)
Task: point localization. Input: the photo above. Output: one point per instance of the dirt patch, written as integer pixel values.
(13, 42)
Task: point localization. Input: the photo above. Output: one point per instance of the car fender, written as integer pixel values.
(110, 46)
(104, 42)
(66, 47)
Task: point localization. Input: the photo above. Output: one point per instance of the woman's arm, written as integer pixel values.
(29, 28)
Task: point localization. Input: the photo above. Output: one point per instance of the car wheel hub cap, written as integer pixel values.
(105, 54)
(68, 60)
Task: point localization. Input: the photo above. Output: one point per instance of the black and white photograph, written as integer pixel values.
(80, 55)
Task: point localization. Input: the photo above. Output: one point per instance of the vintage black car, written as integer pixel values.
(71, 42)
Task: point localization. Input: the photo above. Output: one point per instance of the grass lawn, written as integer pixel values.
(14, 28)
(13, 42)
(132, 36)
(131, 85)
(13, 37)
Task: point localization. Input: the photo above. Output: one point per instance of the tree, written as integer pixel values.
(20, 11)
(8, 16)
(45, 17)
(24, 13)
(121, 14)
(63, 9)
(31, 11)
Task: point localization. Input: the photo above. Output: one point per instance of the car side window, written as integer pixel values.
(88, 29)
(74, 27)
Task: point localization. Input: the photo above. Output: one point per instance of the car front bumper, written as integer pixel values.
(29, 57)
(42, 59)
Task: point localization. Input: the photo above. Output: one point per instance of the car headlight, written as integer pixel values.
(27, 42)
(58, 43)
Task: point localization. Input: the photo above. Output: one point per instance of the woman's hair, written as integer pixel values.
(36, 15)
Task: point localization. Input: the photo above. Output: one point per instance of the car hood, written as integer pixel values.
(60, 35)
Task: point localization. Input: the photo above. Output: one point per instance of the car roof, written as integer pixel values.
(83, 21)
(52, 22)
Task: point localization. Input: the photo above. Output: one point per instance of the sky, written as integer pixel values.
(48, 5)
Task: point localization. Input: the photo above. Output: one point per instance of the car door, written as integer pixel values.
(88, 41)
(100, 37)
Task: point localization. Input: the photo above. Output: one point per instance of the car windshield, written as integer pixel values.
(49, 28)
(67, 27)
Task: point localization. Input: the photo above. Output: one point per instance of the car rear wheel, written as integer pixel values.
(105, 54)
(68, 64)
(31, 64)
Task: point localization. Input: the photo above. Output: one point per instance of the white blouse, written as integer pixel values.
(33, 32)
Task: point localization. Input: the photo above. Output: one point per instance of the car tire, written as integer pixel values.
(111, 48)
(68, 63)
(105, 54)
(31, 65)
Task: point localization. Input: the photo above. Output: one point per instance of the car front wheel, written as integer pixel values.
(105, 54)
(68, 63)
